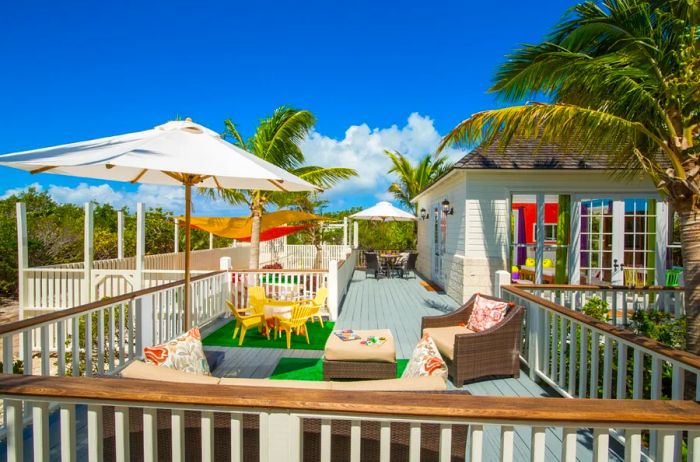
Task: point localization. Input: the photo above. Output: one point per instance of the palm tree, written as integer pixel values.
(276, 140)
(412, 179)
(622, 78)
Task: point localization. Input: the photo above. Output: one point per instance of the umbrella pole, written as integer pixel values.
(188, 207)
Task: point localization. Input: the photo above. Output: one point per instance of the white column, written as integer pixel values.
(503, 278)
(176, 244)
(140, 245)
(345, 231)
(333, 298)
(88, 252)
(663, 220)
(539, 249)
(211, 241)
(22, 255)
(120, 234)
(355, 234)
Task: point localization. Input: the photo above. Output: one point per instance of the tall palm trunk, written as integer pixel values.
(254, 260)
(690, 246)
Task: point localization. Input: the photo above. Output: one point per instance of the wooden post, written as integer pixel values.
(176, 243)
(188, 210)
(140, 245)
(120, 234)
(88, 253)
(211, 241)
(355, 234)
(22, 256)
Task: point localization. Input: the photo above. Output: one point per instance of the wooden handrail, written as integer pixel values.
(48, 317)
(681, 356)
(597, 287)
(555, 411)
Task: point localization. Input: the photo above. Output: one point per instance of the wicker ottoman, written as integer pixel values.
(352, 360)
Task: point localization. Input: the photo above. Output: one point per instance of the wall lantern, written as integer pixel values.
(446, 209)
(423, 214)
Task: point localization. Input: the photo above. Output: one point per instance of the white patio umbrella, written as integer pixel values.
(384, 211)
(175, 153)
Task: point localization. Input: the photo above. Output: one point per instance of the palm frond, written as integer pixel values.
(324, 177)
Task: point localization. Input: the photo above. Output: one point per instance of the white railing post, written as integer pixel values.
(22, 256)
(120, 234)
(355, 234)
(283, 437)
(144, 322)
(176, 237)
(345, 231)
(333, 289)
(88, 253)
(534, 331)
(502, 279)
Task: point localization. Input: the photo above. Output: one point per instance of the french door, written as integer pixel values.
(618, 240)
(439, 221)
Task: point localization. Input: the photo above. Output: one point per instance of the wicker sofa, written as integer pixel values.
(472, 356)
(340, 429)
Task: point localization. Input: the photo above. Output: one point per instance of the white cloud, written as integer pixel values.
(14, 191)
(362, 148)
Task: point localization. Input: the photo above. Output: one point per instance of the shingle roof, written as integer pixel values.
(530, 155)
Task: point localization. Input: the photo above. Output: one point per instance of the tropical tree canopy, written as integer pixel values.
(619, 78)
(623, 79)
(412, 179)
(276, 140)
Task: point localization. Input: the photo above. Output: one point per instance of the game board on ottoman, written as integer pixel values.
(354, 359)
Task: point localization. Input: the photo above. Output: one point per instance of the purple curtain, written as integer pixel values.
(521, 253)
(584, 234)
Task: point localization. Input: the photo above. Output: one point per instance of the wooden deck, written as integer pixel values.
(399, 304)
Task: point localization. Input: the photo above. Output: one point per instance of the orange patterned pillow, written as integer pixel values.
(486, 313)
(184, 353)
(425, 360)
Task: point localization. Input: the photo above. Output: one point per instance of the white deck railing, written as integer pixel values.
(581, 357)
(118, 327)
(622, 301)
(301, 256)
(553, 426)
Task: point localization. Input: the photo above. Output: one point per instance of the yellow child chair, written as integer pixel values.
(318, 302)
(246, 321)
(297, 321)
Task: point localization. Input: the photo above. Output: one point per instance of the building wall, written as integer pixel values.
(453, 189)
(477, 233)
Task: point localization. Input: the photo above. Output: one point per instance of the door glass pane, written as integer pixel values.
(596, 258)
(639, 242)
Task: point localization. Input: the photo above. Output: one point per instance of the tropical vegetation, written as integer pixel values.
(412, 179)
(619, 78)
(276, 140)
(55, 234)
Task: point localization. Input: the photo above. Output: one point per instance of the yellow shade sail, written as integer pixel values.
(241, 227)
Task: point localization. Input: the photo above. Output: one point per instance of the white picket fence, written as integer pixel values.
(301, 256)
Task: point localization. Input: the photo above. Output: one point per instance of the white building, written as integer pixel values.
(511, 210)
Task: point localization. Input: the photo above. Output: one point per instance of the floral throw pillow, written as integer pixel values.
(425, 361)
(184, 353)
(486, 313)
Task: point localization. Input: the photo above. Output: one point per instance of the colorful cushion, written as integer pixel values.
(486, 313)
(425, 361)
(184, 353)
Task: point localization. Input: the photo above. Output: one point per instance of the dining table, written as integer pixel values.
(388, 261)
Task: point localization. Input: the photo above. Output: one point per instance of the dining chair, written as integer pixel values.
(295, 322)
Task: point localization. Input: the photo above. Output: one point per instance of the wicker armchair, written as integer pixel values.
(493, 352)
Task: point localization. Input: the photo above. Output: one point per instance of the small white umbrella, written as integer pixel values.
(384, 211)
(175, 153)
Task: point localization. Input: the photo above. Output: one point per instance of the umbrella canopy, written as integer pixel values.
(384, 211)
(175, 153)
(161, 155)
(241, 227)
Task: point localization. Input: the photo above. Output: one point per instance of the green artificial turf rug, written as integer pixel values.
(312, 369)
(254, 339)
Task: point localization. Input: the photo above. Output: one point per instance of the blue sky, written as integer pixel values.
(376, 74)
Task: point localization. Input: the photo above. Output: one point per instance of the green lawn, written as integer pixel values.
(254, 339)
